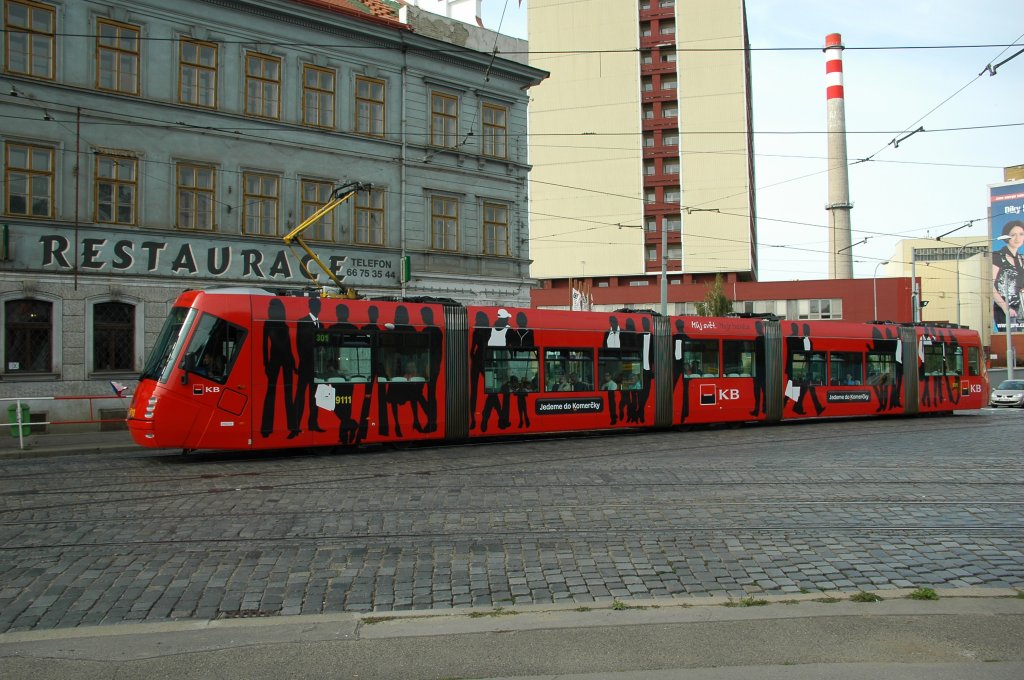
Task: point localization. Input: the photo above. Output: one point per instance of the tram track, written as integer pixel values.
(835, 532)
(427, 448)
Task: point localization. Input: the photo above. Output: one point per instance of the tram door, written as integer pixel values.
(217, 380)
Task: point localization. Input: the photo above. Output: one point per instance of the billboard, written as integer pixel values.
(1006, 217)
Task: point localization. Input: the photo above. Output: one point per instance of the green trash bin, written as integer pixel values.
(12, 418)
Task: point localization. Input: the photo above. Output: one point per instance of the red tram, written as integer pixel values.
(244, 368)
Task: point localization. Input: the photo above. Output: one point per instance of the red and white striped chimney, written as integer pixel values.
(838, 207)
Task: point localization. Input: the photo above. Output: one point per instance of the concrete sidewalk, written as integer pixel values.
(965, 634)
(63, 444)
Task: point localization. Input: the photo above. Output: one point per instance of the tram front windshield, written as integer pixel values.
(168, 344)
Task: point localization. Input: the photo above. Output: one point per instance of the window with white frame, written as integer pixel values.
(444, 120)
(318, 96)
(495, 130)
(30, 30)
(195, 190)
(262, 85)
(495, 229)
(117, 57)
(444, 221)
(29, 335)
(113, 336)
(29, 180)
(315, 195)
(197, 73)
(260, 200)
(369, 217)
(116, 189)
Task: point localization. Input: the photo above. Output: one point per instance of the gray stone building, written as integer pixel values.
(151, 147)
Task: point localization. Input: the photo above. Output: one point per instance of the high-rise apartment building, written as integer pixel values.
(642, 132)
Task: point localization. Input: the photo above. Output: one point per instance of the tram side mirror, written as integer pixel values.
(188, 366)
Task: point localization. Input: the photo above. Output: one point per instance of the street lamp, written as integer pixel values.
(874, 286)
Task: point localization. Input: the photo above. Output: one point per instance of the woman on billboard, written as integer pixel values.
(1008, 277)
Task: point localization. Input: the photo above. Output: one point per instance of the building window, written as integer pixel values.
(262, 85)
(667, 28)
(315, 195)
(820, 309)
(495, 229)
(675, 251)
(444, 220)
(197, 74)
(651, 223)
(669, 83)
(317, 96)
(29, 336)
(259, 208)
(646, 57)
(671, 195)
(652, 256)
(29, 180)
(645, 29)
(668, 55)
(117, 57)
(495, 131)
(670, 111)
(648, 139)
(116, 189)
(369, 217)
(647, 84)
(29, 30)
(370, 107)
(649, 167)
(113, 336)
(650, 196)
(195, 190)
(670, 138)
(673, 223)
(670, 167)
(444, 120)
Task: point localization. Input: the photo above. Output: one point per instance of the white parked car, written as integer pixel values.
(1008, 393)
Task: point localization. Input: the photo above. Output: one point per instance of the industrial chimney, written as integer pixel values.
(840, 265)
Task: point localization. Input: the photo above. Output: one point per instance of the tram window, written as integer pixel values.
(168, 343)
(974, 360)
(511, 370)
(700, 358)
(618, 368)
(214, 347)
(405, 356)
(846, 368)
(568, 370)
(808, 368)
(343, 356)
(943, 359)
(738, 358)
(881, 368)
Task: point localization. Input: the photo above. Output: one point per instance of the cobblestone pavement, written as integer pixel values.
(837, 506)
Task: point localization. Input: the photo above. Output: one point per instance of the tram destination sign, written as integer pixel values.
(222, 260)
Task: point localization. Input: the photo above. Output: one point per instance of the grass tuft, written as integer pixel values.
(924, 594)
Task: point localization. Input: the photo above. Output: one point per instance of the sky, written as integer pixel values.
(931, 183)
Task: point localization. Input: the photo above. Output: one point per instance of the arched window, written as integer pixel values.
(113, 328)
(28, 339)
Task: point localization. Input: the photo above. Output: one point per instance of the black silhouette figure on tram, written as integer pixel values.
(344, 391)
(279, 364)
(305, 390)
(797, 344)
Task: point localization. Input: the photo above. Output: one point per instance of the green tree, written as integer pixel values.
(716, 302)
